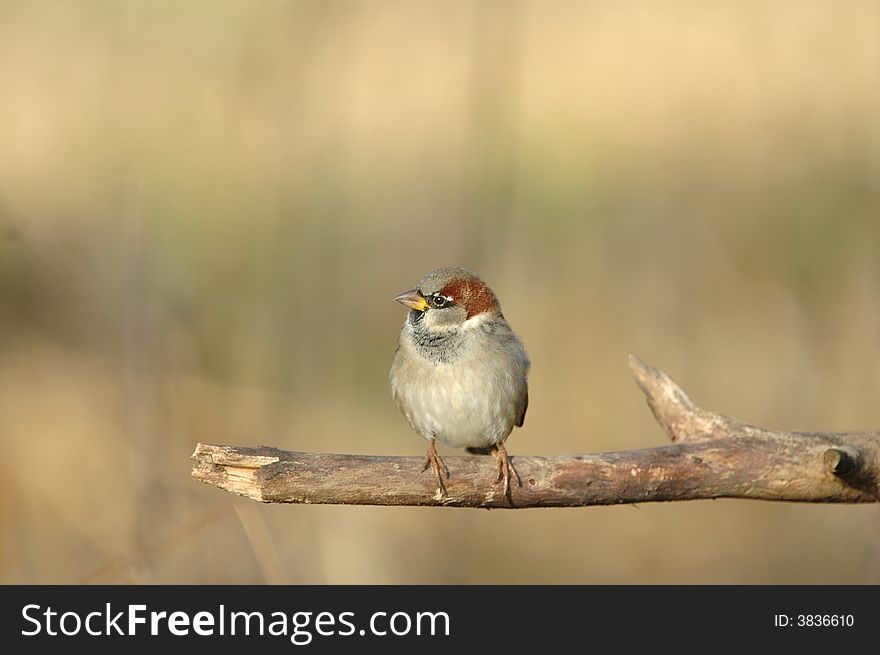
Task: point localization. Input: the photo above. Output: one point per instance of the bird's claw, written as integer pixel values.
(505, 469)
(439, 467)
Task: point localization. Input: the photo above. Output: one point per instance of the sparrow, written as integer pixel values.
(459, 373)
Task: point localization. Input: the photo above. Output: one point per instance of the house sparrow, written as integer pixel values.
(459, 372)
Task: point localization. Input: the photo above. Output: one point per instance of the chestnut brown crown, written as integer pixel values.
(453, 287)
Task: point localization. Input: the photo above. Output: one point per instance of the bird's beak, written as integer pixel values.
(413, 299)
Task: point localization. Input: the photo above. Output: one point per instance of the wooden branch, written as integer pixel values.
(712, 456)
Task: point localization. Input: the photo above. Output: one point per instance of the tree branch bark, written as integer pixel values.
(712, 456)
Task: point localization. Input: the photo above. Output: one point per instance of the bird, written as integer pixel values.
(460, 373)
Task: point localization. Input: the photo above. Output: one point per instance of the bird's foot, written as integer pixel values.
(433, 460)
(505, 468)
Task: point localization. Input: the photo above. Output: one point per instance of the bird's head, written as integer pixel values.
(448, 298)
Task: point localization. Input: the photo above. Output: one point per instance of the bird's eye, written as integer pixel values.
(438, 301)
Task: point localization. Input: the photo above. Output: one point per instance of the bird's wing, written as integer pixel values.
(525, 405)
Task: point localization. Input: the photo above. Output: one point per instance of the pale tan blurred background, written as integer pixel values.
(206, 208)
